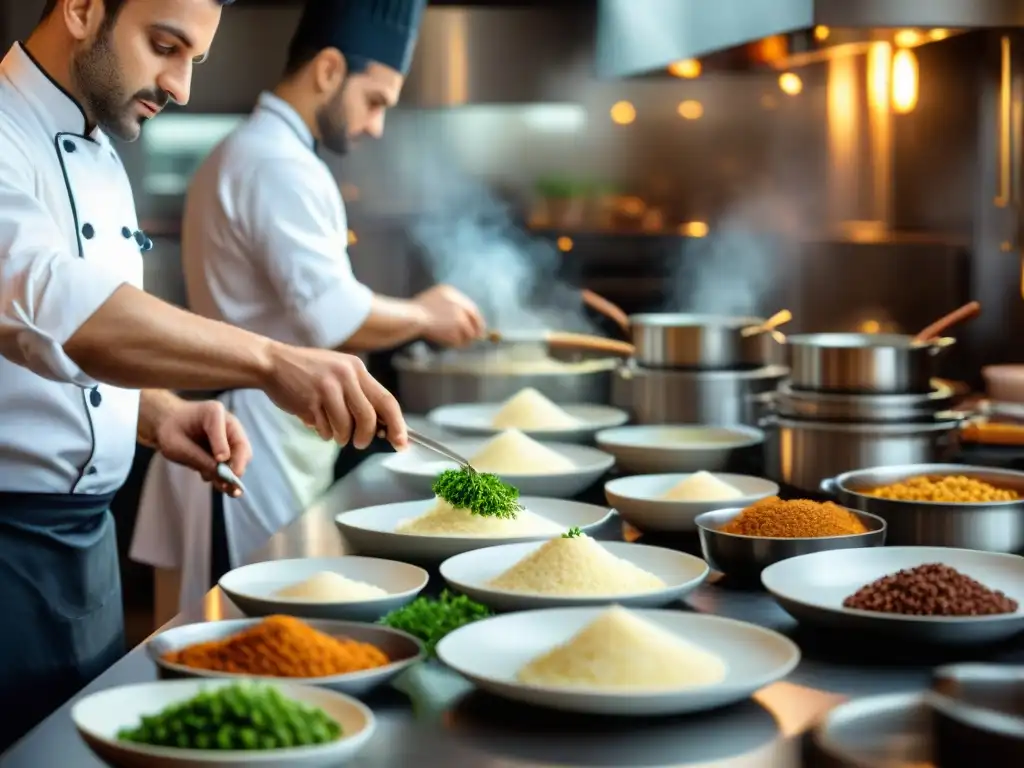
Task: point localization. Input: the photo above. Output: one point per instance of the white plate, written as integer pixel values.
(812, 588)
(100, 716)
(372, 530)
(417, 468)
(676, 448)
(404, 650)
(478, 419)
(490, 652)
(252, 587)
(638, 499)
(470, 573)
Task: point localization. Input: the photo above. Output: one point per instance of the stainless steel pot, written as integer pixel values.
(862, 362)
(826, 406)
(661, 396)
(665, 340)
(803, 453)
(428, 379)
(993, 527)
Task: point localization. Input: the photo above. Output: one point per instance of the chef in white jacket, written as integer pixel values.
(79, 339)
(264, 247)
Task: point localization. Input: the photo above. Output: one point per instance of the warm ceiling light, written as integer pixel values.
(907, 38)
(687, 68)
(821, 32)
(623, 113)
(904, 81)
(564, 244)
(694, 229)
(939, 34)
(790, 83)
(690, 109)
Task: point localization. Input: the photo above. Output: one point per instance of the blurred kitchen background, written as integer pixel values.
(858, 163)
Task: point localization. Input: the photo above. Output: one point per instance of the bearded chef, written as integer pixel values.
(264, 247)
(79, 339)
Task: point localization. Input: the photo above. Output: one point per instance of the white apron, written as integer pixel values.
(291, 467)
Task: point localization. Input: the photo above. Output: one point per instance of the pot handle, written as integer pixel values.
(937, 346)
(829, 486)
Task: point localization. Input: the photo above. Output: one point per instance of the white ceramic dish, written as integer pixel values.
(638, 499)
(403, 649)
(478, 419)
(470, 573)
(490, 652)
(811, 588)
(418, 468)
(650, 449)
(252, 587)
(100, 716)
(372, 530)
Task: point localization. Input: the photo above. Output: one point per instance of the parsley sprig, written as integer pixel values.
(481, 493)
(430, 619)
(572, 533)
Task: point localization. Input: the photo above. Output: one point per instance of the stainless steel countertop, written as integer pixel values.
(454, 725)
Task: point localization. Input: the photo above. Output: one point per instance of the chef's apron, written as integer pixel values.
(60, 594)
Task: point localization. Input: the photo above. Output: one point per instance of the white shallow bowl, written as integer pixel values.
(100, 716)
(676, 448)
(252, 587)
(638, 499)
(470, 573)
(372, 530)
(478, 419)
(490, 652)
(403, 649)
(417, 469)
(811, 588)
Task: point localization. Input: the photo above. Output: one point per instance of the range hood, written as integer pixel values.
(636, 37)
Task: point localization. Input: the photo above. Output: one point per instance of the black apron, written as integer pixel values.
(60, 594)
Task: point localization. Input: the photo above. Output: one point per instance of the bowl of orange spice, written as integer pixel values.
(940, 505)
(743, 542)
(349, 657)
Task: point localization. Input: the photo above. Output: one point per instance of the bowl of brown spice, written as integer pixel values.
(742, 542)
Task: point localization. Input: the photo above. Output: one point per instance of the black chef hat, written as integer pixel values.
(363, 30)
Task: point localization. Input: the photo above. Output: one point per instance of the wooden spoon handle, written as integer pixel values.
(779, 318)
(968, 311)
(581, 342)
(602, 306)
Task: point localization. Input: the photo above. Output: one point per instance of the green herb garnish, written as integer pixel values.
(572, 533)
(430, 620)
(481, 493)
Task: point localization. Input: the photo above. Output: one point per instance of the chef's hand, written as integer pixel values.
(334, 394)
(200, 435)
(452, 318)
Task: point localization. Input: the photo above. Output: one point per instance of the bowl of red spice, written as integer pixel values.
(743, 542)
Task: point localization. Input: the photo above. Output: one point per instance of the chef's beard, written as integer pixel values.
(331, 124)
(99, 79)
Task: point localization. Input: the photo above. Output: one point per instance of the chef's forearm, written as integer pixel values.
(137, 341)
(391, 322)
(154, 406)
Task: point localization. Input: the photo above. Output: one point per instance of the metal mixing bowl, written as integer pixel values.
(744, 557)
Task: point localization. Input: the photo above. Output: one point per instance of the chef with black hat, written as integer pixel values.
(264, 247)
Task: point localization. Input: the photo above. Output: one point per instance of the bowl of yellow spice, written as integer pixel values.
(939, 505)
(743, 542)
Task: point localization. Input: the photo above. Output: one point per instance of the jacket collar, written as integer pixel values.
(57, 110)
(275, 105)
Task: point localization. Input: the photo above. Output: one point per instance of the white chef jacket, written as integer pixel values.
(69, 237)
(264, 247)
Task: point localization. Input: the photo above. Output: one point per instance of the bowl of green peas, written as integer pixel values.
(210, 723)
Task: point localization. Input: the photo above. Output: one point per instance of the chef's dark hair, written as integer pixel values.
(112, 7)
(300, 55)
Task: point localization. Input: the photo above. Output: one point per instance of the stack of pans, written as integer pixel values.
(854, 401)
(696, 369)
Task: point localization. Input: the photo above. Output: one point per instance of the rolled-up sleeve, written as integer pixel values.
(302, 245)
(46, 291)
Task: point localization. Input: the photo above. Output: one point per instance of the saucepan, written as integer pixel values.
(859, 363)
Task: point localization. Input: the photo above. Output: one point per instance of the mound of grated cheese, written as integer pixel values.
(513, 453)
(620, 650)
(575, 566)
(442, 519)
(330, 587)
(702, 486)
(529, 409)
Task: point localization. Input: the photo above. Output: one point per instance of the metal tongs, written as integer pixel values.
(224, 473)
(430, 444)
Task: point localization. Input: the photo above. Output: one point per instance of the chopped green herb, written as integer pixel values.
(430, 620)
(481, 493)
(572, 533)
